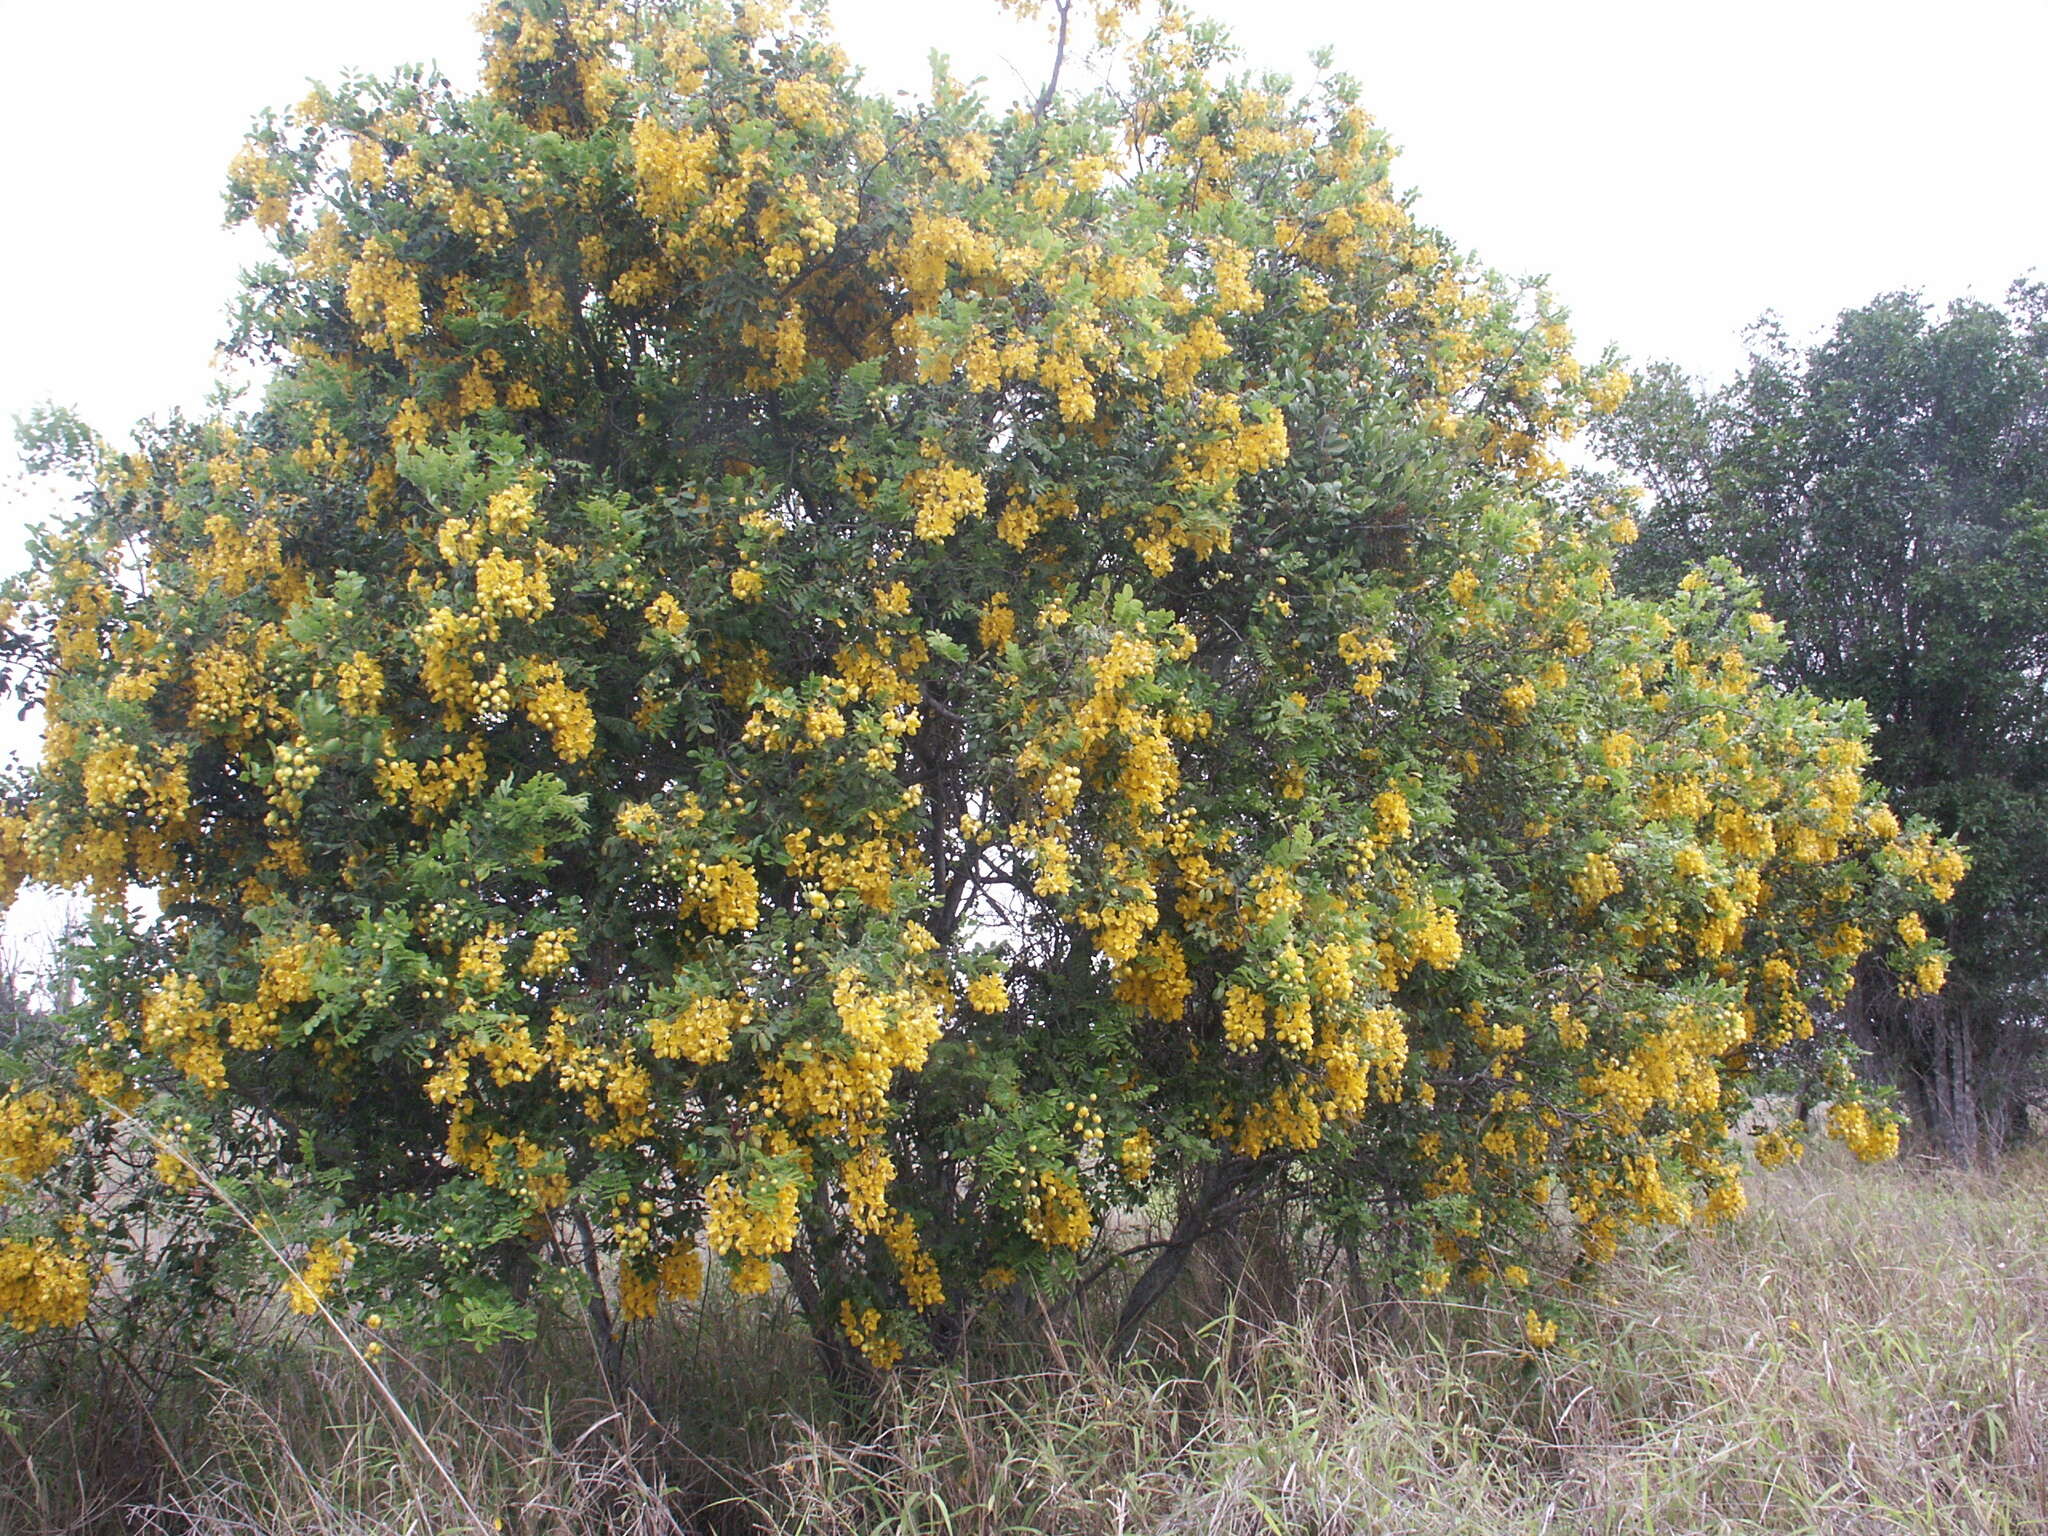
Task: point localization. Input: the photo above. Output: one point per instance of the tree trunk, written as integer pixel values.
(606, 1338)
(845, 1371)
(1966, 1124)
(1195, 1221)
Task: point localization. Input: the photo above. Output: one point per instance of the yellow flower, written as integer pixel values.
(998, 622)
(41, 1285)
(942, 497)
(316, 1273)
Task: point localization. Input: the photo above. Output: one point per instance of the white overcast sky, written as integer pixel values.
(1674, 168)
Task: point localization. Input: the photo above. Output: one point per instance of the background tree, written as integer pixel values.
(863, 687)
(1888, 490)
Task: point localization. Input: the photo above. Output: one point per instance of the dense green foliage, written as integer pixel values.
(864, 688)
(1888, 491)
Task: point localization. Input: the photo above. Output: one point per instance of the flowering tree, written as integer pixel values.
(857, 689)
(1886, 487)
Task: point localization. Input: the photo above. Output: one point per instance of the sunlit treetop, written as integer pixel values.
(854, 688)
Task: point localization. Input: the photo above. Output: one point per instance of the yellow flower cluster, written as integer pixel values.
(943, 496)
(227, 690)
(1230, 448)
(671, 168)
(1058, 1214)
(316, 1272)
(359, 685)
(1930, 975)
(1774, 1149)
(511, 589)
(114, 776)
(1436, 941)
(1938, 867)
(865, 1177)
(1598, 878)
(846, 1089)
(560, 710)
(1289, 1117)
(1392, 818)
(986, 993)
(1607, 391)
(725, 897)
(384, 298)
(42, 1285)
(1871, 1138)
(676, 1274)
(35, 1135)
(937, 245)
(666, 615)
(448, 641)
(1136, 1155)
(480, 965)
(702, 1032)
(915, 1267)
(757, 1222)
(266, 182)
(864, 1330)
(550, 953)
(1244, 1018)
(998, 622)
(1155, 978)
(178, 1025)
(430, 787)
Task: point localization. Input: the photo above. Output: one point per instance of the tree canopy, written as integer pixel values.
(1887, 488)
(859, 688)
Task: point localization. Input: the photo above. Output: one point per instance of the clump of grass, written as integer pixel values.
(1868, 1351)
(1865, 1352)
(302, 1436)
(315, 1452)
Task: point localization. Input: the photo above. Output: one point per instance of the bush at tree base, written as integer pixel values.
(861, 688)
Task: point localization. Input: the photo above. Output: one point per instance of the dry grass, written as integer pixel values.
(1866, 1352)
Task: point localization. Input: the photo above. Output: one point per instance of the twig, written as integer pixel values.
(1059, 56)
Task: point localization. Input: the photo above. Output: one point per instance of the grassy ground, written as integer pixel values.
(1865, 1352)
